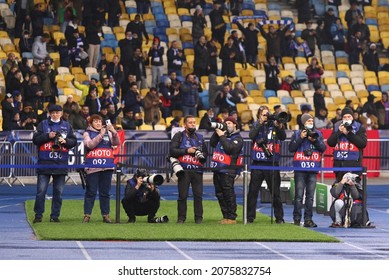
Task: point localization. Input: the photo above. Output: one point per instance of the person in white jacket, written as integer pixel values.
(39, 49)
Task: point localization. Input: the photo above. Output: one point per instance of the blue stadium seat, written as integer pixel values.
(371, 21)
(248, 6)
(157, 10)
(163, 23)
(204, 96)
(159, 30)
(160, 17)
(155, 4)
(185, 18)
(187, 45)
(251, 86)
(372, 88)
(273, 6)
(287, 100)
(260, 13)
(131, 10)
(341, 54)
(109, 36)
(163, 38)
(341, 74)
(326, 47)
(109, 43)
(27, 55)
(384, 88)
(269, 93)
(150, 23)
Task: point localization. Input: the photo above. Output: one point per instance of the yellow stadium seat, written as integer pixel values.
(371, 81)
(296, 93)
(81, 77)
(345, 87)
(255, 92)
(329, 80)
(118, 29)
(377, 94)
(273, 100)
(330, 66)
(146, 127)
(362, 94)
(62, 84)
(259, 99)
(343, 67)
(76, 70)
(67, 91)
(374, 36)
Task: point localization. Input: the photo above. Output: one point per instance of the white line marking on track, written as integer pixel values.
(11, 205)
(83, 250)
(178, 250)
(367, 251)
(274, 251)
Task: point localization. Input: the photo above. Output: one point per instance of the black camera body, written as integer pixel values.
(308, 152)
(281, 117)
(312, 134)
(348, 127)
(221, 126)
(57, 145)
(200, 156)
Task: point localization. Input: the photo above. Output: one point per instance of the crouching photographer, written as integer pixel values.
(347, 208)
(142, 197)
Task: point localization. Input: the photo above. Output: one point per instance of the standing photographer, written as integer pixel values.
(189, 148)
(348, 139)
(266, 135)
(307, 146)
(99, 140)
(228, 144)
(142, 198)
(54, 137)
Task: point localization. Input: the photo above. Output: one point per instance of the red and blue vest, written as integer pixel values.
(190, 162)
(46, 151)
(221, 159)
(308, 162)
(344, 149)
(102, 154)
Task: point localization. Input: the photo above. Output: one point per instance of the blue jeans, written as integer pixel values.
(100, 181)
(56, 203)
(304, 182)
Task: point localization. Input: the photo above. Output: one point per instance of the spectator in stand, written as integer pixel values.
(115, 70)
(166, 97)
(272, 70)
(213, 91)
(338, 35)
(369, 120)
(225, 100)
(190, 95)
(37, 15)
(64, 53)
(208, 117)
(127, 47)
(357, 116)
(33, 93)
(68, 14)
(218, 25)
(142, 6)
(130, 121)
(318, 100)
(363, 28)
(73, 25)
(114, 13)
(151, 104)
(175, 58)
(7, 110)
(382, 109)
(15, 82)
(321, 121)
(369, 105)
(355, 48)
(138, 67)
(25, 43)
(71, 105)
(273, 40)
(251, 42)
(303, 10)
(11, 62)
(155, 54)
(80, 120)
(132, 99)
(28, 117)
(305, 109)
(198, 24)
(309, 35)
(329, 19)
(92, 101)
(321, 34)
(338, 116)
(229, 55)
(371, 58)
(240, 92)
(39, 48)
(352, 14)
(213, 55)
(136, 26)
(314, 72)
(78, 47)
(201, 62)
(93, 34)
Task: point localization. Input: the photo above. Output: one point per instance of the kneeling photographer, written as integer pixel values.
(142, 197)
(307, 145)
(347, 208)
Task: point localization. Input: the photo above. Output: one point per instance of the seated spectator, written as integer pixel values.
(321, 121)
(28, 117)
(151, 105)
(314, 72)
(71, 105)
(338, 116)
(208, 117)
(80, 120)
(25, 43)
(130, 121)
(305, 109)
(369, 120)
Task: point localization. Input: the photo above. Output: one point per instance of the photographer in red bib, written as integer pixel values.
(348, 139)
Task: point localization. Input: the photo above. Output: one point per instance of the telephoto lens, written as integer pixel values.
(176, 166)
(200, 156)
(154, 179)
(221, 126)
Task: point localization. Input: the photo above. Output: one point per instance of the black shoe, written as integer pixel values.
(309, 223)
(180, 221)
(198, 220)
(250, 221)
(296, 222)
(131, 220)
(280, 221)
(37, 220)
(54, 220)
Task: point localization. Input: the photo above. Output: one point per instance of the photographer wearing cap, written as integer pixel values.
(54, 138)
(307, 146)
(142, 198)
(228, 152)
(189, 148)
(348, 139)
(346, 209)
(266, 136)
(99, 140)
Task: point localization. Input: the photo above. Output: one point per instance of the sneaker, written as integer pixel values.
(37, 220)
(54, 220)
(228, 222)
(223, 221)
(280, 221)
(86, 219)
(296, 222)
(107, 219)
(131, 220)
(336, 225)
(309, 223)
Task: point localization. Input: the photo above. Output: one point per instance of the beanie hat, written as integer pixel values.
(231, 119)
(347, 110)
(305, 117)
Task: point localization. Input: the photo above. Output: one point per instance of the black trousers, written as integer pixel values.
(225, 193)
(194, 179)
(257, 177)
(134, 208)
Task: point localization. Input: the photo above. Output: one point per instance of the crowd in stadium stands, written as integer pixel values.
(129, 62)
